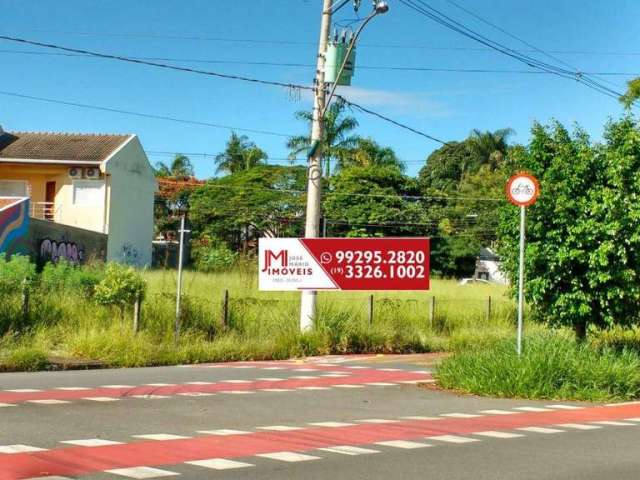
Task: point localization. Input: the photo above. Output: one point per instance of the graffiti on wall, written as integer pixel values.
(63, 250)
(129, 254)
(14, 225)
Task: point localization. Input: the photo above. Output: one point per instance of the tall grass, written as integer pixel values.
(66, 322)
(553, 366)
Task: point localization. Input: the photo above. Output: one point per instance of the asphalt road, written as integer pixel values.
(338, 418)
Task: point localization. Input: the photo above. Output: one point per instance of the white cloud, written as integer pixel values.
(417, 103)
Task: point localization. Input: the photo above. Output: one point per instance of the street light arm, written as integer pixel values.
(352, 44)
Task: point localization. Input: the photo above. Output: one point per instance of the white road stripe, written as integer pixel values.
(72, 389)
(91, 442)
(238, 392)
(418, 417)
(288, 456)
(219, 464)
(142, 472)
(622, 404)
(149, 397)
(349, 450)
(403, 444)
(313, 388)
(271, 379)
(380, 384)
(634, 419)
(540, 430)
(565, 407)
(223, 432)
(303, 377)
(390, 369)
(279, 428)
(116, 386)
(533, 409)
(243, 366)
(614, 423)
(453, 439)
(160, 384)
(196, 394)
(23, 390)
(579, 426)
(304, 370)
(349, 386)
(412, 382)
(377, 420)
(273, 368)
(54, 477)
(7, 405)
(49, 401)
(276, 390)
(160, 436)
(331, 424)
(460, 415)
(199, 383)
(236, 381)
(334, 375)
(101, 399)
(493, 434)
(19, 448)
(498, 412)
(356, 367)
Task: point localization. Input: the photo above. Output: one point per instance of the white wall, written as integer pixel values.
(130, 205)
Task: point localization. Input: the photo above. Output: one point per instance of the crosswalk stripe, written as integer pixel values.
(453, 439)
(579, 426)
(279, 428)
(493, 434)
(49, 401)
(91, 442)
(160, 436)
(19, 448)
(142, 472)
(331, 424)
(7, 405)
(377, 420)
(276, 390)
(498, 412)
(101, 399)
(223, 431)
(540, 430)
(349, 450)
(565, 407)
(403, 444)
(614, 423)
(418, 417)
(72, 389)
(533, 409)
(348, 386)
(23, 390)
(460, 415)
(219, 464)
(288, 456)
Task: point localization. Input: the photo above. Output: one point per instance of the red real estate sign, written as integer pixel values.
(344, 264)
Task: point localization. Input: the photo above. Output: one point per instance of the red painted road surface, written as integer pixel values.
(76, 461)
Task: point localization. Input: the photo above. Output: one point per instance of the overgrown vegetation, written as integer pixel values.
(553, 366)
(86, 313)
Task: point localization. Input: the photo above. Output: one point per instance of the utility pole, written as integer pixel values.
(314, 179)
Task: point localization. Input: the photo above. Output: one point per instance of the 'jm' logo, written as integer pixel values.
(270, 257)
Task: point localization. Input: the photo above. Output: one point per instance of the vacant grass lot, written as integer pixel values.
(261, 325)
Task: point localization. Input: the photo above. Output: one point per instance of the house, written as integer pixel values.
(488, 267)
(80, 185)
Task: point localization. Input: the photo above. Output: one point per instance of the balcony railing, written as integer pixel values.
(44, 210)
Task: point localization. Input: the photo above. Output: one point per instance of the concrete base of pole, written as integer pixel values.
(307, 310)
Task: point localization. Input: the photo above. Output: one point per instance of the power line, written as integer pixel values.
(221, 75)
(144, 115)
(301, 43)
(405, 68)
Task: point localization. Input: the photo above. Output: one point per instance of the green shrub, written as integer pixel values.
(209, 257)
(553, 366)
(27, 359)
(14, 272)
(617, 338)
(63, 276)
(120, 286)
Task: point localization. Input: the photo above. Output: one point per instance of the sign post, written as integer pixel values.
(522, 190)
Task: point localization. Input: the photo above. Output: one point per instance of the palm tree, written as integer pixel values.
(489, 148)
(368, 153)
(239, 154)
(180, 167)
(336, 142)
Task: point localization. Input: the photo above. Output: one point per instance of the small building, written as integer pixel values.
(82, 183)
(488, 267)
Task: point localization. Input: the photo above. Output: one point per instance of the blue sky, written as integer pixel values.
(446, 105)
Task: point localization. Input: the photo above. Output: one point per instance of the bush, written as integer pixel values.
(120, 286)
(553, 366)
(14, 272)
(28, 359)
(62, 275)
(214, 258)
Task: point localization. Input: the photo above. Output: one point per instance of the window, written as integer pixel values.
(88, 193)
(13, 188)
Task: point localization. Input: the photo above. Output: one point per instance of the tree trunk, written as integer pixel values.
(580, 329)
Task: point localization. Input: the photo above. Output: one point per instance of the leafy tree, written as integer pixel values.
(265, 200)
(368, 153)
(370, 201)
(488, 148)
(337, 140)
(239, 154)
(583, 251)
(180, 168)
(632, 94)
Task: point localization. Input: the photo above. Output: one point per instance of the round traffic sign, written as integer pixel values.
(523, 189)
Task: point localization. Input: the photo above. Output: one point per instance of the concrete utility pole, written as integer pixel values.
(314, 181)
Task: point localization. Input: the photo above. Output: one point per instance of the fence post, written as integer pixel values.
(225, 310)
(25, 301)
(370, 310)
(136, 313)
(432, 312)
(489, 308)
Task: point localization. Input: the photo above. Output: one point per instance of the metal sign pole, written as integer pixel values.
(521, 279)
(179, 293)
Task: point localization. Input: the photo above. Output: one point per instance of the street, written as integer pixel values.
(335, 417)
